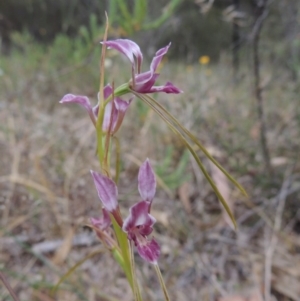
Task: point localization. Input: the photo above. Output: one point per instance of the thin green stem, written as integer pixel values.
(117, 162)
(162, 283)
(136, 290)
(100, 151)
(124, 246)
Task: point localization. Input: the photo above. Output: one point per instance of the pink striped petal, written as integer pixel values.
(167, 88)
(146, 182)
(103, 222)
(149, 251)
(127, 47)
(158, 57)
(107, 191)
(139, 217)
(80, 99)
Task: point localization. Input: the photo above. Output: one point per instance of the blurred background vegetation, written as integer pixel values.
(196, 27)
(238, 63)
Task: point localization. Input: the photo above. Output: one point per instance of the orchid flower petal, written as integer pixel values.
(108, 115)
(96, 110)
(167, 88)
(103, 222)
(121, 108)
(149, 251)
(127, 47)
(107, 191)
(146, 181)
(107, 91)
(145, 87)
(158, 57)
(138, 216)
(147, 76)
(82, 100)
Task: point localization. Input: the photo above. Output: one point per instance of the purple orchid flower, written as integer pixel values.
(139, 224)
(114, 111)
(108, 194)
(143, 82)
(101, 226)
(146, 182)
(103, 222)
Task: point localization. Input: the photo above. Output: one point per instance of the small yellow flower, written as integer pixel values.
(204, 59)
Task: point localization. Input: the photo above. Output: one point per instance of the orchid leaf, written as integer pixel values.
(194, 154)
(201, 147)
(162, 283)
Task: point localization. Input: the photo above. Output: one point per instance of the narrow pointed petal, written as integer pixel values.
(149, 251)
(128, 48)
(146, 181)
(121, 108)
(107, 191)
(96, 110)
(150, 76)
(103, 222)
(168, 88)
(158, 57)
(107, 91)
(122, 105)
(108, 115)
(80, 99)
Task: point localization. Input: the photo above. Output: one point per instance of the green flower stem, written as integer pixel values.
(118, 257)
(124, 246)
(117, 161)
(100, 149)
(136, 289)
(122, 90)
(162, 283)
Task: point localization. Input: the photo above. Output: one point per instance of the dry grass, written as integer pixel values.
(47, 194)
